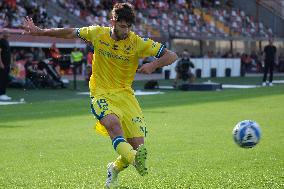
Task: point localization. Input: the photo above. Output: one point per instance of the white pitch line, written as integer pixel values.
(278, 81)
(10, 103)
(228, 86)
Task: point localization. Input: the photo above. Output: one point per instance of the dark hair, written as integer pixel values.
(123, 12)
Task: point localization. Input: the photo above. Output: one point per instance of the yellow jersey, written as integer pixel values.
(115, 62)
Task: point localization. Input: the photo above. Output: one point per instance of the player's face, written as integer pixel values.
(121, 29)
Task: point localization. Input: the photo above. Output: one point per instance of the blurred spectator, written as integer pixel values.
(5, 62)
(17, 73)
(54, 52)
(269, 62)
(76, 61)
(40, 74)
(183, 69)
(256, 62)
(39, 55)
(246, 61)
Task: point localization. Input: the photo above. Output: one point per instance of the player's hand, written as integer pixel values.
(29, 27)
(147, 68)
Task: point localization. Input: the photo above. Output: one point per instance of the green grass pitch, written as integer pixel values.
(49, 142)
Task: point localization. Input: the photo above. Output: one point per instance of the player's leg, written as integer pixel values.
(135, 142)
(2, 82)
(265, 74)
(135, 131)
(113, 169)
(128, 154)
(109, 115)
(141, 156)
(271, 67)
(121, 146)
(121, 163)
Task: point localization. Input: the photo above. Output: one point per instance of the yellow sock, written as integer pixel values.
(120, 163)
(124, 149)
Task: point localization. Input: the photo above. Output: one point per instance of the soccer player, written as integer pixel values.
(116, 53)
(269, 62)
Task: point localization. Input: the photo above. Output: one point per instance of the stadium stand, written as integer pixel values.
(181, 18)
(155, 19)
(276, 6)
(162, 20)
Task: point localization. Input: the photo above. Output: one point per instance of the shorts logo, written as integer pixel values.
(102, 104)
(139, 121)
(144, 130)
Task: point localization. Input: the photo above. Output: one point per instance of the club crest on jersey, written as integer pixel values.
(127, 49)
(154, 44)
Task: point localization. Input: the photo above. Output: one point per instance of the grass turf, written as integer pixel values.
(49, 142)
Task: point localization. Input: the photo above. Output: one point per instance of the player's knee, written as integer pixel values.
(112, 125)
(114, 130)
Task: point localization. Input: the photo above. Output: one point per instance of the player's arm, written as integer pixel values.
(167, 58)
(30, 28)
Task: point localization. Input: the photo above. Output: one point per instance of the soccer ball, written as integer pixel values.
(247, 133)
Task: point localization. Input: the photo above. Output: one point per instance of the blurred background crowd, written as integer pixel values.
(204, 24)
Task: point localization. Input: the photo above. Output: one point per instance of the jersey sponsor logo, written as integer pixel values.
(114, 56)
(115, 47)
(104, 43)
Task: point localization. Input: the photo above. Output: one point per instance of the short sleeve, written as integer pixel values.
(88, 33)
(147, 47)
